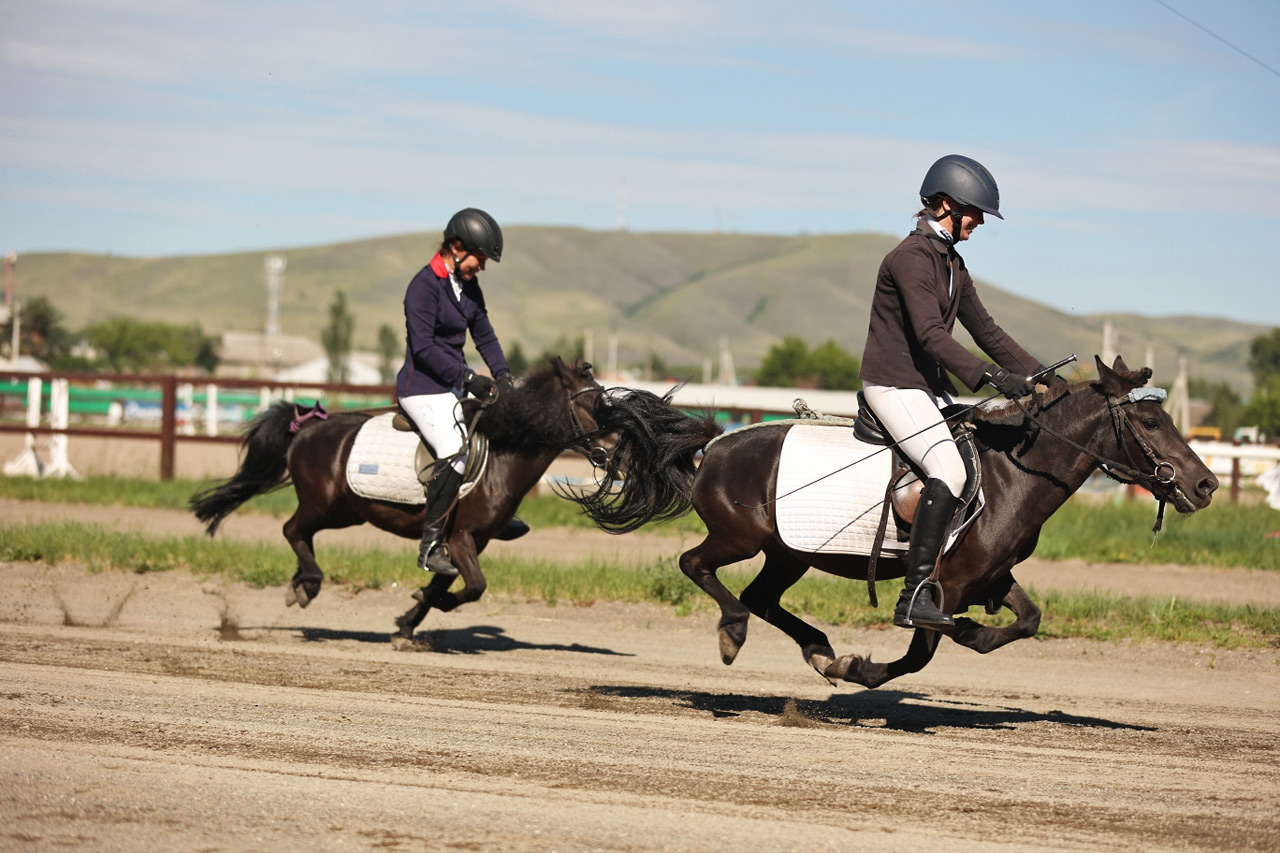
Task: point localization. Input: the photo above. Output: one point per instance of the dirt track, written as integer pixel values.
(166, 712)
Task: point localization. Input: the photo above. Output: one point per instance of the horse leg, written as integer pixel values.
(412, 618)
(864, 671)
(763, 597)
(982, 638)
(305, 584)
(699, 564)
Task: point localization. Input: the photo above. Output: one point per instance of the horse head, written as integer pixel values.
(1150, 446)
(584, 394)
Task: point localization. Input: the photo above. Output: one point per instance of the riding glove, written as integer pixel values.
(505, 382)
(477, 384)
(1009, 384)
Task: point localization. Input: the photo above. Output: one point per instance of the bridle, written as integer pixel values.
(1161, 481)
(580, 442)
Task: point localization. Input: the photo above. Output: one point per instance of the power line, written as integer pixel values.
(1238, 50)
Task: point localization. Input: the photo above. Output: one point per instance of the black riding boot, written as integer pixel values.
(928, 534)
(433, 554)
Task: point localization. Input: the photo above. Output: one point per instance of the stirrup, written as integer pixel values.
(435, 558)
(943, 620)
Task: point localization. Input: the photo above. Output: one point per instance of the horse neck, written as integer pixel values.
(1053, 462)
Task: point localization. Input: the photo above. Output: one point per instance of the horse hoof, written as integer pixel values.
(297, 593)
(820, 658)
(844, 669)
(732, 636)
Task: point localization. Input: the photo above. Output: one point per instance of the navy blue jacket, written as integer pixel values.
(436, 325)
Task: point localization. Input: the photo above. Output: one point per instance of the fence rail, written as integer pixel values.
(168, 397)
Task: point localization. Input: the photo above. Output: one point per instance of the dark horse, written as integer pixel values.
(1033, 458)
(548, 412)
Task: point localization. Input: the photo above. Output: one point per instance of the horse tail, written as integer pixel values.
(263, 468)
(650, 471)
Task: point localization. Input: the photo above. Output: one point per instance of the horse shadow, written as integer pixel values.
(472, 640)
(889, 709)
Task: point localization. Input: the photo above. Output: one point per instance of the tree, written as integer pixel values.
(389, 347)
(1226, 412)
(791, 364)
(126, 344)
(1264, 356)
(1263, 409)
(336, 338)
(516, 359)
(835, 369)
(785, 364)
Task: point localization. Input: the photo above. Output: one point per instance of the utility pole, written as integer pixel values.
(275, 280)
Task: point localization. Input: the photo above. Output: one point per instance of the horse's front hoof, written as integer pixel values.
(821, 659)
(845, 668)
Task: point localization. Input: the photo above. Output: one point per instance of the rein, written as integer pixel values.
(1128, 474)
(581, 432)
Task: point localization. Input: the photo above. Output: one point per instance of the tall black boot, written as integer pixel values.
(928, 533)
(433, 554)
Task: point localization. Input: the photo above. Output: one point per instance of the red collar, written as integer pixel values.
(439, 267)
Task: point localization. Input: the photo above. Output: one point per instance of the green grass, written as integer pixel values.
(1224, 535)
(541, 511)
(831, 600)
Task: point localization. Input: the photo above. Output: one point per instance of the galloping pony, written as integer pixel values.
(1034, 454)
(526, 428)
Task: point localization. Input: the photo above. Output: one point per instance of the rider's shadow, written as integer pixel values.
(472, 640)
(890, 709)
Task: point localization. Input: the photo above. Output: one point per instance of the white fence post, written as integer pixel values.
(60, 418)
(28, 463)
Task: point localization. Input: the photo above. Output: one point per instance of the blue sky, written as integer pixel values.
(1138, 155)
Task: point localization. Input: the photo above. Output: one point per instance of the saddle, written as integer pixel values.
(426, 463)
(904, 494)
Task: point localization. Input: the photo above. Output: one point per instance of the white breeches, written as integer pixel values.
(438, 418)
(913, 418)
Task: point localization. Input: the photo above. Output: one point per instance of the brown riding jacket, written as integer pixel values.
(909, 341)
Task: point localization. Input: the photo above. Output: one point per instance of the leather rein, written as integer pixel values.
(1161, 482)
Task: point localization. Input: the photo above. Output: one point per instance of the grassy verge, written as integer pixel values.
(819, 597)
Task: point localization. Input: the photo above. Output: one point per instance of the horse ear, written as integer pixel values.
(1119, 366)
(1109, 379)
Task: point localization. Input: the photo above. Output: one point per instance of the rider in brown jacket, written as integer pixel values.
(922, 288)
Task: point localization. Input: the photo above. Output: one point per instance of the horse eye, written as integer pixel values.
(1151, 424)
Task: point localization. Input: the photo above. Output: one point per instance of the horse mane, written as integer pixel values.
(534, 415)
(1005, 425)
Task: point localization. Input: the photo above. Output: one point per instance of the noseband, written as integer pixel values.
(1161, 482)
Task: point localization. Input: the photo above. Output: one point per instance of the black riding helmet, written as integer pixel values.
(478, 231)
(964, 180)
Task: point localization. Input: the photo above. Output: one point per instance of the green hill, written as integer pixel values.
(675, 295)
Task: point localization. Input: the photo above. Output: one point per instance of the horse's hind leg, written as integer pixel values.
(305, 584)
(763, 597)
(983, 639)
(700, 563)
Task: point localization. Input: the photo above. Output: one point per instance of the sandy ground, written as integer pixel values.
(144, 712)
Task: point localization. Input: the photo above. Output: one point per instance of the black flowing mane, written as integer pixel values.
(535, 414)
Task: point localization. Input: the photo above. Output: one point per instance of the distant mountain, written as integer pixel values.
(674, 295)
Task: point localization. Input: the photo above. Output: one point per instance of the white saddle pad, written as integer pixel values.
(831, 492)
(382, 464)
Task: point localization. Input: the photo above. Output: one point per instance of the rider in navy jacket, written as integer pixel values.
(442, 304)
(437, 322)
